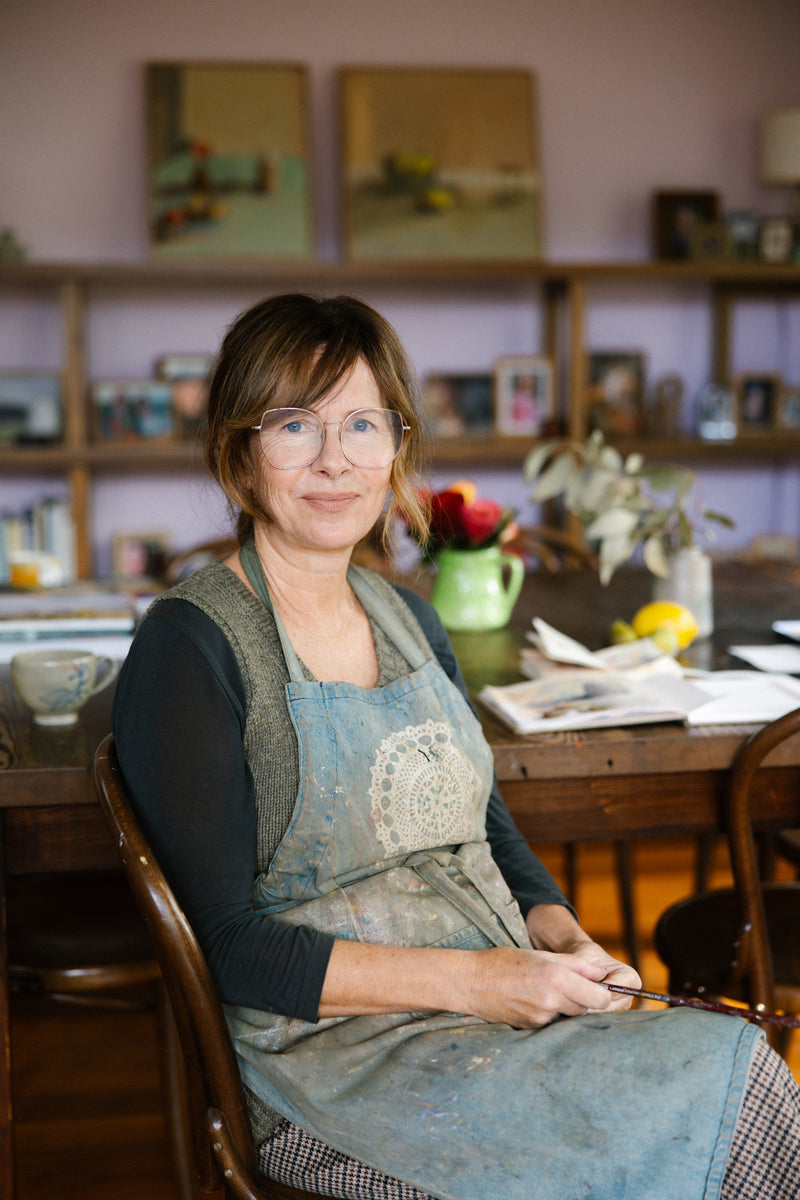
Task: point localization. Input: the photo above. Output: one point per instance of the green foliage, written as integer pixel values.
(621, 503)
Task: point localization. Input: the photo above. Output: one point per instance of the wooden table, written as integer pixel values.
(644, 780)
(607, 784)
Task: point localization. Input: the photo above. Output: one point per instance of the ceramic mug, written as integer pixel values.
(55, 684)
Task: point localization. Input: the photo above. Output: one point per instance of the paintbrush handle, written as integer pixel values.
(751, 1014)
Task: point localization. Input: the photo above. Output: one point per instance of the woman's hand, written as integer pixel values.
(560, 974)
(530, 988)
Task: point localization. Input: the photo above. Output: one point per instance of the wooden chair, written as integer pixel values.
(78, 937)
(224, 1153)
(186, 562)
(740, 942)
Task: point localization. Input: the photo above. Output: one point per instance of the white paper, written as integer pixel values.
(778, 657)
(743, 697)
(790, 629)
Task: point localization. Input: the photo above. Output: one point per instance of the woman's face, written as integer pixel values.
(330, 504)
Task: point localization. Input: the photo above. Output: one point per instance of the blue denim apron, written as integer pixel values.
(387, 844)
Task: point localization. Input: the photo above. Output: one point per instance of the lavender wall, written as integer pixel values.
(633, 96)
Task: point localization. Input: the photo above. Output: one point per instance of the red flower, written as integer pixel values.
(446, 509)
(480, 520)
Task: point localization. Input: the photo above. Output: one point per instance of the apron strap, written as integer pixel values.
(434, 874)
(248, 556)
(374, 605)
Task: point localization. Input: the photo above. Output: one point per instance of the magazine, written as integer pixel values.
(587, 699)
(570, 687)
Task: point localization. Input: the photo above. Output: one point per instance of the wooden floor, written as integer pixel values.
(86, 1085)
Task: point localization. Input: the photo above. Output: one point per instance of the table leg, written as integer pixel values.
(6, 1112)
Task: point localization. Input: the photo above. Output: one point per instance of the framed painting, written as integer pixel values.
(228, 160)
(458, 404)
(440, 164)
(524, 397)
(615, 381)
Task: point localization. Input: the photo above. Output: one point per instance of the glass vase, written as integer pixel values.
(690, 583)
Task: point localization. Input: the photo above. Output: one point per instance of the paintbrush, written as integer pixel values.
(751, 1014)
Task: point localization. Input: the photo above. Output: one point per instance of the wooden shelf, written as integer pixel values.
(562, 288)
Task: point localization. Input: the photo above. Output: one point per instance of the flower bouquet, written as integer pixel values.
(477, 584)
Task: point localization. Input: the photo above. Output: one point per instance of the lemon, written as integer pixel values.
(666, 614)
(620, 632)
(666, 638)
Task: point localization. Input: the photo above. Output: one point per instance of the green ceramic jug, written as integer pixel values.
(476, 589)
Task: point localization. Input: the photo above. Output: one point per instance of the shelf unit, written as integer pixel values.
(563, 289)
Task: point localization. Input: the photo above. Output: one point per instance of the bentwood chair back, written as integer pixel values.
(224, 1152)
(740, 942)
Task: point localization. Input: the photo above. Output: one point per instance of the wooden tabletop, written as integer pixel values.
(41, 766)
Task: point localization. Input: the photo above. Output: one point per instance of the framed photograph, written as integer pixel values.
(458, 404)
(676, 216)
(133, 410)
(776, 240)
(139, 555)
(228, 160)
(743, 229)
(757, 401)
(524, 395)
(615, 399)
(789, 409)
(30, 407)
(440, 164)
(188, 375)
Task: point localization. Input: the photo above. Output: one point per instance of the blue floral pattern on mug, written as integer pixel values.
(77, 688)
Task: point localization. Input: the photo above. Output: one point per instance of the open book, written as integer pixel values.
(632, 684)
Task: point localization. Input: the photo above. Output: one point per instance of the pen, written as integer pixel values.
(751, 1014)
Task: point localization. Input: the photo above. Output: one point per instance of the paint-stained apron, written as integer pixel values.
(387, 844)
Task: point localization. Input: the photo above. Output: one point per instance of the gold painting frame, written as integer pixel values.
(228, 160)
(440, 164)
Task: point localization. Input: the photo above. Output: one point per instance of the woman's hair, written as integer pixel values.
(288, 352)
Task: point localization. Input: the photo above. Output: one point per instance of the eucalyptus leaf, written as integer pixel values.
(554, 478)
(537, 459)
(655, 557)
(613, 552)
(621, 503)
(616, 523)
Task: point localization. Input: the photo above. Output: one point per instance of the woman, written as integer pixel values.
(394, 961)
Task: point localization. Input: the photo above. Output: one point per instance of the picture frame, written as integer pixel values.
(776, 240)
(139, 555)
(228, 160)
(758, 396)
(789, 409)
(524, 395)
(459, 404)
(440, 163)
(743, 230)
(30, 407)
(615, 392)
(133, 410)
(676, 216)
(188, 376)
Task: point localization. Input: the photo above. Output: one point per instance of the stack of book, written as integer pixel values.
(84, 616)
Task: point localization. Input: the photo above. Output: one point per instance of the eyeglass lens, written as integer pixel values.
(294, 437)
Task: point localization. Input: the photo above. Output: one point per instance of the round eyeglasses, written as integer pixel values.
(293, 437)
